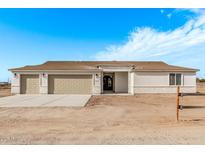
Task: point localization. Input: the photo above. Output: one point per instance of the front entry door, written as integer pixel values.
(107, 82)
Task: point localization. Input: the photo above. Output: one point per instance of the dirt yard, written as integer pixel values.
(5, 91)
(140, 119)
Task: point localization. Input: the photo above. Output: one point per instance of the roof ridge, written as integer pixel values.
(107, 61)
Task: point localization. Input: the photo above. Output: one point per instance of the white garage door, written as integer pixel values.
(70, 84)
(29, 84)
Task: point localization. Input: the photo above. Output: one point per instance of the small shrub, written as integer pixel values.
(200, 80)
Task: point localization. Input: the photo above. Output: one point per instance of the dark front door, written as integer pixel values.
(107, 82)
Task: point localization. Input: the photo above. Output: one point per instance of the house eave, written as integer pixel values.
(55, 70)
(171, 70)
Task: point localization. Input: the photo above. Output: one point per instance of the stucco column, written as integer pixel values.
(15, 83)
(43, 83)
(97, 83)
(131, 83)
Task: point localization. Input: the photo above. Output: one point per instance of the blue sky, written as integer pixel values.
(33, 36)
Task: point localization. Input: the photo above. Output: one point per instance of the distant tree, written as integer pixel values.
(200, 80)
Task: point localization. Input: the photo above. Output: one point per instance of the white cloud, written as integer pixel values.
(193, 10)
(162, 11)
(147, 43)
(169, 15)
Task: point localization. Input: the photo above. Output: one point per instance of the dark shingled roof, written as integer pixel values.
(93, 65)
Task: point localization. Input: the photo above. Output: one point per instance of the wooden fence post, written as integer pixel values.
(177, 111)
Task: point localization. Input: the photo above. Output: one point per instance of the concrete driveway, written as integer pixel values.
(44, 101)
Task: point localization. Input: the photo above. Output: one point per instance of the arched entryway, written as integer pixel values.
(108, 82)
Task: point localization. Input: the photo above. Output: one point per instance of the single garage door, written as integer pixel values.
(70, 84)
(29, 84)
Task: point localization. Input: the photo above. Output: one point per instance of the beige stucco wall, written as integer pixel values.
(164, 89)
(121, 82)
(158, 82)
(151, 79)
(189, 79)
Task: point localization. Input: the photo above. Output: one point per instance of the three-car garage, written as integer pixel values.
(57, 84)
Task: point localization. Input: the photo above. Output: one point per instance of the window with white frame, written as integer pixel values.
(175, 79)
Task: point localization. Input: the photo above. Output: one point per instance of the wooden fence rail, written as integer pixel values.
(191, 94)
(181, 107)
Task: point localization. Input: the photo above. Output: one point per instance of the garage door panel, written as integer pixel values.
(29, 84)
(70, 84)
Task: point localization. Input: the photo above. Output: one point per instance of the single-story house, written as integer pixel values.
(98, 77)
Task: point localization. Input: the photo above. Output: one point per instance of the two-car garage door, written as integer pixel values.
(70, 84)
(58, 84)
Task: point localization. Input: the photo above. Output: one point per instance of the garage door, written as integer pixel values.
(70, 84)
(29, 84)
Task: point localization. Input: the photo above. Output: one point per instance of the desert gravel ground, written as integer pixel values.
(5, 92)
(140, 119)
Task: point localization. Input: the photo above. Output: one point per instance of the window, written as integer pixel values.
(175, 79)
(178, 79)
(171, 79)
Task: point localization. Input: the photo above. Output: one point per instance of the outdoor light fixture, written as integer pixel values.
(15, 75)
(44, 75)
